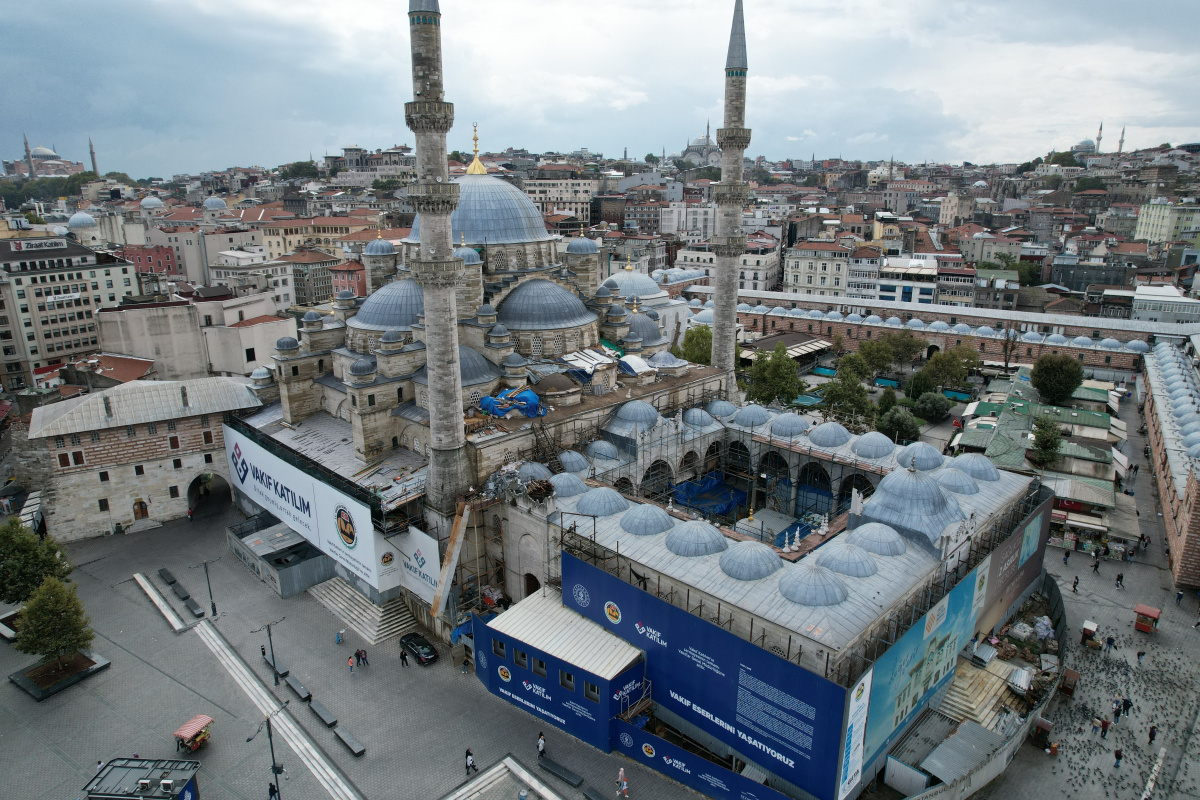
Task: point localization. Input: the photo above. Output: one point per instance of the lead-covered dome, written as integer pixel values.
(394, 306)
(639, 413)
(789, 426)
(491, 211)
(287, 343)
(749, 561)
(602, 448)
(573, 461)
(925, 455)
(956, 481)
(540, 304)
(646, 520)
(911, 499)
(697, 418)
(533, 471)
(721, 408)
(646, 328)
(81, 219)
(627, 283)
(583, 247)
(215, 204)
(873, 445)
(848, 559)
(751, 415)
(810, 584)
(877, 538)
(977, 465)
(829, 434)
(567, 484)
(695, 538)
(602, 502)
(150, 203)
(473, 370)
(379, 247)
(362, 367)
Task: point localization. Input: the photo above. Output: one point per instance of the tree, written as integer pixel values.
(854, 366)
(845, 400)
(1088, 183)
(26, 560)
(950, 367)
(1052, 181)
(1064, 159)
(697, 345)
(920, 383)
(386, 184)
(120, 177)
(774, 377)
(53, 624)
(838, 343)
(1008, 344)
(886, 401)
(1056, 377)
(1047, 440)
(34, 219)
(456, 155)
(652, 159)
(877, 353)
(1027, 273)
(899, 425)
(299, 169)
(905, 346)
(933, 406)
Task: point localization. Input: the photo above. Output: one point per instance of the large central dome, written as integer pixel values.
(491, 211)
(394, 306)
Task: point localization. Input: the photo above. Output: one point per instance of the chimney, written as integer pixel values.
(107, 407)
(183, 395)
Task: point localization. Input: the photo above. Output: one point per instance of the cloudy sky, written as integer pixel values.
(167, 86)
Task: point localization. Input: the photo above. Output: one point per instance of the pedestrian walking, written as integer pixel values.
(365, 663)
(272, 792)
(350, 661)
(1197, 625)
(541, 746)
(471, 762)
(1178, 598)
(403, 656)
(1153, 733)
(358, 658)
(1095, 724)
(1117, 715)
(1075, 585)
(1119, 756)
(1120, 577)
(1109, 643)
(1066, 556)
(1141, 654)
(622, 784)
(1126, 704)
(1096, 567)
(1104, 723)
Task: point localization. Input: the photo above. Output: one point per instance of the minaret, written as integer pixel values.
(435, 268)
(92, 150)
(1099, 136)
(730, 195)
(29, 159)
(1121, 141)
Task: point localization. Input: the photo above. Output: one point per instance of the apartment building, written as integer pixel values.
(863, 280)
(908, 280)
(956, 285)
(817, 267)
(285, 236)
(570, 192)
(1162, 221)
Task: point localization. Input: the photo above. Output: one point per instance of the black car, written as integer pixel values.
(419, 648)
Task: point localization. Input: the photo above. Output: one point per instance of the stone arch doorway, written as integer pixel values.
(814, 493)
(207, 494)
(739, 457)
(775, 489)
(532, 584)
(529, 564)
(656, 483)
(624, 485)
(712, 457)
(929, 351)
(140, 509)
(689, 466)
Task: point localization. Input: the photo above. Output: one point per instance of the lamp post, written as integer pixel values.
(271, 644)
(211, 602)
(276, 769)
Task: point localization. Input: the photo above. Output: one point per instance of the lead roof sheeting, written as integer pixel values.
(542, 622)
(962, 752)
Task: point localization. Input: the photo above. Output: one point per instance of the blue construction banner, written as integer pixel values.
(775, 713)
(710, 779)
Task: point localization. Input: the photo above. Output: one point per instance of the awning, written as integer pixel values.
(1120, 462)
(1058, 516)
(193, 726)
(969, 411)
(1087, 522)
(796, 350)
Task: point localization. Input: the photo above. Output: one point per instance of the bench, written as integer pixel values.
(280, 671)
(327, 719)
(559, 771)
(7, 633)
(193, 607)
(180, 592)
(167, 577)
(298, 688)
(592, 793)
(348, 739)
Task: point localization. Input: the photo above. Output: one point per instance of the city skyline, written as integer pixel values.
(267, 84)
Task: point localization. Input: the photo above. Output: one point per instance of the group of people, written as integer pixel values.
(1120, 705)
(359, 660)
(622, 783)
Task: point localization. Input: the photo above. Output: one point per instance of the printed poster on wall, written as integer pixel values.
(337, 524)
(420, 566)
(856, 731)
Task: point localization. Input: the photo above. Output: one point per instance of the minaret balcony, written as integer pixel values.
(433, 198)
(733, 138)
(429, 115)
(730, 194)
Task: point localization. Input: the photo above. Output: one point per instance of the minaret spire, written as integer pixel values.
(1099, 136)
(29, 159)
(1121, 141)
(730, 194)
(92, 150)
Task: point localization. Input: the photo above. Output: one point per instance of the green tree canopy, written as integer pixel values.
(697, 345)
(26, 560)
(845, 400)
(1065, 159)
(878, 354)
(774, 377)
(887, 399)
(1088, 183)
(920, 383)
(299, 169)
(933, 406)
(1047, 440)
(652, 159)
(1028, 273)
(15, 193)
(854, 366)
(53, 624)
(951, 367)
(905, 346)
(1056, 377)
(386, 184)
(1052, 181)
(121, 177)
(457, 155)
(899, 425)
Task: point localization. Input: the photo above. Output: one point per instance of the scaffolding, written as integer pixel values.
(483, 570)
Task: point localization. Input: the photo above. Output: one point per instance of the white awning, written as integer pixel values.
(1120, 462)
(796, 350)
(969, 411)
(1086, 521)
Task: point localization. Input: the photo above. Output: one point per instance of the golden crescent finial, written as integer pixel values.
(477, 167)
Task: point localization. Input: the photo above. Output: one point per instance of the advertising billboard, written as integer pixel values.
(337, 524)
(774, 712)
(856, 729)
(1015, 564)
(711, 780)
(419, 562)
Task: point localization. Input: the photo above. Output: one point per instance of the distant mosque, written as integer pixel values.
(43, 162)
(702, 152)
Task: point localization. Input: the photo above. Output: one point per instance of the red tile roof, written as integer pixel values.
(348, 266)
(246, 323)
(117, 367)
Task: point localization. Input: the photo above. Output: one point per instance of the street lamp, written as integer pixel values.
(271, 643)
(276, 769)
(205, 564)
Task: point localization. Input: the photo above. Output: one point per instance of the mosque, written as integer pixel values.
(43, 162)
(702, 152)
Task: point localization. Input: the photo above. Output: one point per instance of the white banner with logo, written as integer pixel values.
(338, 525)
(419, 563)
(856, 729)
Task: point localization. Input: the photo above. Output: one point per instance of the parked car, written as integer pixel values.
(419, 648)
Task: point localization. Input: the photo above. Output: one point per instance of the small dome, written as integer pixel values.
(533, 471)
(515, 360)
(602, 292)
(345, 294)
(962, 328)
(640, 413)
(1057, 338)
(1082, 341)
(956, 481)
(632, 338)
(363, 367)
(1190, 428)
(761, 309)
(985, 330)
(834, 316)
(829, 434)
(498, 330)
(215, 204)
(1031, 336)
(260, 374)
(1137, 346)
(287, 343)
(664, 358)
(601, 449)
(392, 336)
(877, 538)
(646, 520)
(469, 255)
(708, 304)
(1188, 441)
(379, 247)
(1110, 344)
(647, 330)
(938, 325)
(894, 322)
(854, 318)
(741, 307)
(873, 445)
(618, 312)
(695, 538)
(396, 305)
(583, 247)
(721, 408)
(926, 455)
(752, 415)
(311, 316)
(81, 219)
(1188, 419)
(539, 304)
(573, 461)
(810, 584)
(602, 502)
(977, 465)
(815, 313)
(873, 319)
(705, 317)
(150, 203)
(795, 312)
(779, 311)
(473, 369)
(749, 561)
(848, 559)
(915, 323)
(568, 485)
(1194, 451)
(789, 426)
(915, 501)
(697, 418)
(486, 310)
(651, 313)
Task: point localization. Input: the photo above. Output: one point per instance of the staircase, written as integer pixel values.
(373, 623)
(544, 448)
(981, 695)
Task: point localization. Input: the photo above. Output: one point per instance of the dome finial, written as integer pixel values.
(628, 262)
(912, 465)
(477, 167)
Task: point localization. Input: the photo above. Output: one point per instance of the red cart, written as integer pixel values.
(192, 735)
(1146, 618)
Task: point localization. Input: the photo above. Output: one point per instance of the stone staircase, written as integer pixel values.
(373, 623)
(981, 695)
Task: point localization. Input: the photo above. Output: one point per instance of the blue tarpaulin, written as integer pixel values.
(710, 495)
(523, 400)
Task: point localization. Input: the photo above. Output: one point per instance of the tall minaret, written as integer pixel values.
(92, 150)
(435, 268)
(730, 194)
(29, 160)
(1099, 136)
(1121, 141)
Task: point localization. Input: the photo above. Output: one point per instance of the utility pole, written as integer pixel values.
(276, 769)
(211, 602)
(271, 644)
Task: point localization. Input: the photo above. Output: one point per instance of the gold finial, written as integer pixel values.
(635, 304)
(477, 167)
(463, 234)
(628, 263)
